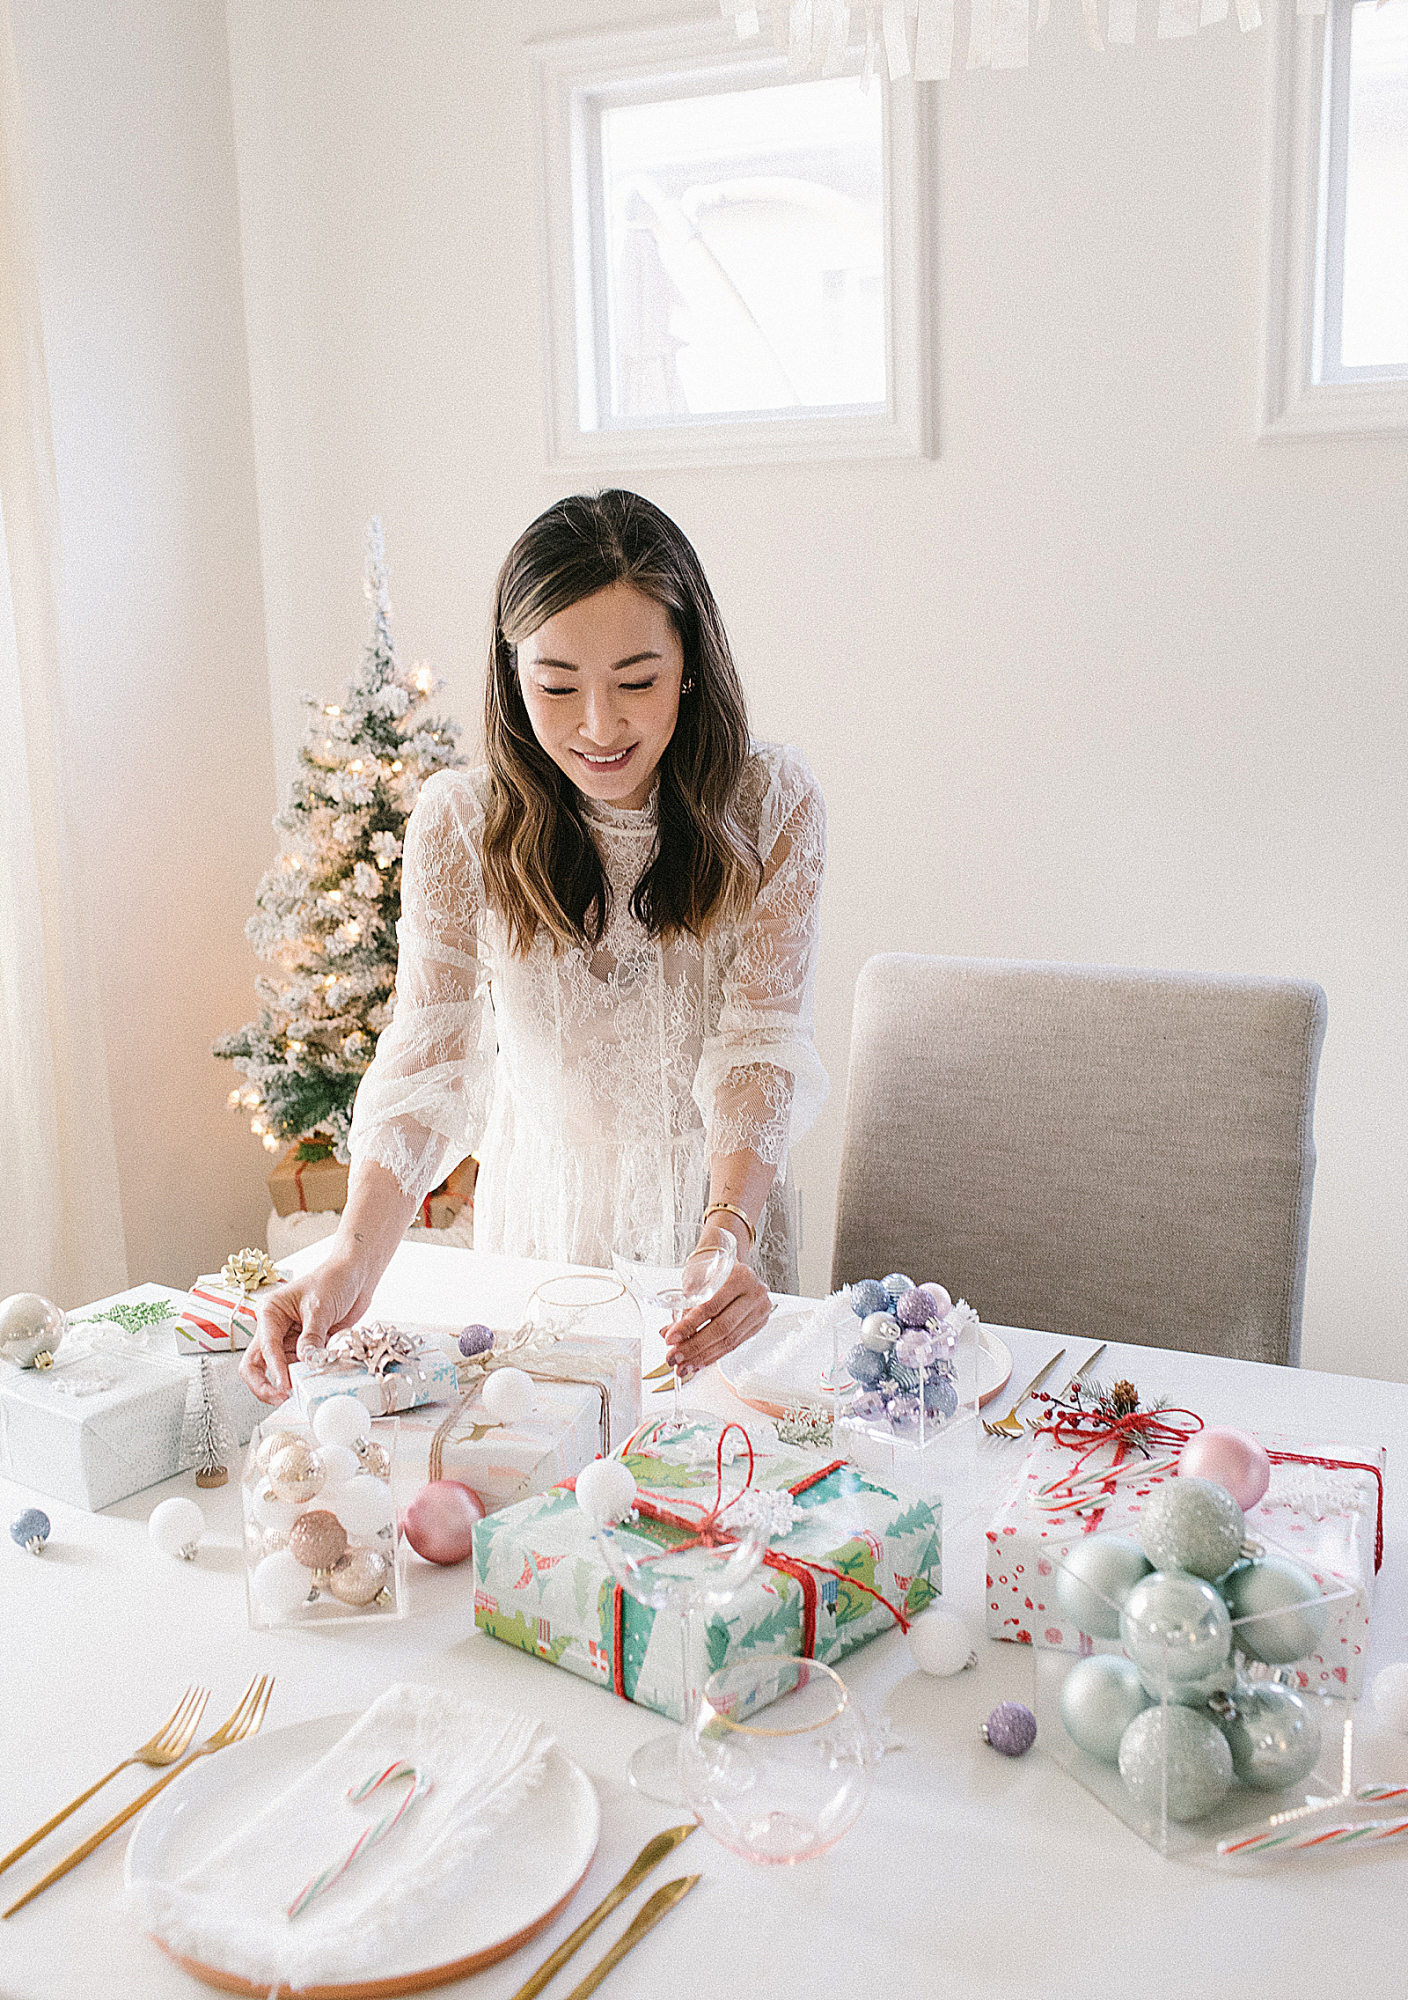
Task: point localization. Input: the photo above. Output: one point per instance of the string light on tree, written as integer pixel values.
(334, 894)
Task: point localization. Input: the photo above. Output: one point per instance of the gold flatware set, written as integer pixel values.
(1010, 1426)
(664, 1900)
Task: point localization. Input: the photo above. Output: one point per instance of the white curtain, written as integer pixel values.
(60, 1213)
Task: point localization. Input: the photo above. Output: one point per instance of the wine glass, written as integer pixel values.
(776, 1761)
(703, 1274)
(559, 1306)
(679, 1581)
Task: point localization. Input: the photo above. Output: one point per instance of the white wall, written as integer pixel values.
(128, 113)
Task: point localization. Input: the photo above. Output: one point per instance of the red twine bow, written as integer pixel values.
(1087, 1431)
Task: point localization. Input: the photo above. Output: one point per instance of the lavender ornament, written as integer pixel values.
(1011, 1728)
(475, 1340)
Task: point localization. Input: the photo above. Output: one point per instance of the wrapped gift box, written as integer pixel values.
(854, 1551)
(560, 1434)
(429, 1378)
(607, 1363)
(308, 1176)
(1323, 1509)
(218, 1318)
(106, 1419)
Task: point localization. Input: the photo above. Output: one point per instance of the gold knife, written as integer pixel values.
(1092, 1357)
(660, 1904)
(650, 1856)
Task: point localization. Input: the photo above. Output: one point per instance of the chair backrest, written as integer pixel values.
(1089, 1149)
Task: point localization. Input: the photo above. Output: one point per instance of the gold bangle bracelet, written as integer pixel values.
(729, 1208)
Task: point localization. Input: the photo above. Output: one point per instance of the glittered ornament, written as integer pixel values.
(940, 1396)
(1272, 1731)
(439, 1523)
(30, 1530)
(865, 1364)
(340, 1463)
(896, 1283)
(360, 1577)
(1093, 1581)
(1175, 1627)
(1231, 1459)
(376, 1459)
(318, 1539)
(280, 1584)
(175, 1527)
(1192, 1525)
(606, 1490)
(1187, 1745)
(914, 1307)
(363, 1506)
(31, 1328)
(508, 1395)
(1279, 1611)
(1390, 1696)
(1011, 1728)
(939, 1643)
(296, 1473)
(868, 1296)
(1100, 1697)
(474, 1340)
(341, 1420)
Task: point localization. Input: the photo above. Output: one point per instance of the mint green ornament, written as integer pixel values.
(1175, 1628)
(1183, 1745)
(1191, 1524)
(1093, 1581)
(1100, 1697)
(1279, 1609)
(1272, 1732)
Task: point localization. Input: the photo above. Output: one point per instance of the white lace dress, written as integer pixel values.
(597, 1084)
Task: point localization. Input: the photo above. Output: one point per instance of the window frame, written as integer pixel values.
(563, 69)
(1304, 262)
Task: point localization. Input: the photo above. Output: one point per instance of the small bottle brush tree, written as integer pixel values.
(327, 910)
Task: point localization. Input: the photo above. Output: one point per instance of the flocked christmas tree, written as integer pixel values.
(327, 910)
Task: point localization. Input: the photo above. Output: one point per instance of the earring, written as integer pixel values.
(687, 687)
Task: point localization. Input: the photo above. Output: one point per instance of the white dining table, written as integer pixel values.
(967, 1874)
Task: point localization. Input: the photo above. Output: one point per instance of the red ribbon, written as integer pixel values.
(710, 1533)
(1344, 1465)
(1087, 1431)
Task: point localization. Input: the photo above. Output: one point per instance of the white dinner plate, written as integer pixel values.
(522, 1875)
(775, 1371)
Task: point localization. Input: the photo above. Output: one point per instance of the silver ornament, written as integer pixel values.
(1094, 1580)
(1182, 1748)
(1272, 1732)
(30, 1330)
(1279, 1609)
(1100, 1697)
(1193, 1525)
(1175, 1628)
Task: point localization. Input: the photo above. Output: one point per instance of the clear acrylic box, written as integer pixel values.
(926, 1441)
(1111, 1710)
(325, 1546)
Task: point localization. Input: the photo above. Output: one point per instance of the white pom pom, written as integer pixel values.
(341, 1420)
(1391, 1696)
(939, 1643)
(176, 1527)
(606, 1490)
(280, 1584)
(363, 1505)
(508, 1395)
(340, 1462)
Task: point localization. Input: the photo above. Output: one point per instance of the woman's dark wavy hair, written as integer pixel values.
(542, 871)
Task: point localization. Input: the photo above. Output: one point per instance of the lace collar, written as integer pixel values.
(622, 819)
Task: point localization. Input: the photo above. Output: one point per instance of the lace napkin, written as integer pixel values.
(229, 1911)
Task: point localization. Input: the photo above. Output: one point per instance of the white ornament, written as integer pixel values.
(341, 1420)
(340, 1462)
(280, 1583)
(1390, 1693)
(508, 1395)
(939, 1643)
(363, 1506)
(176, 1527)
(606, 1490)
(271, 1512)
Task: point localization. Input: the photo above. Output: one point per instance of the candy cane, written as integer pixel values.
(420, 1785)
(1381, 1792)
(1328, 1836)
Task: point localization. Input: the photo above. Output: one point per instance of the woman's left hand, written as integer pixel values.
(708, 1331)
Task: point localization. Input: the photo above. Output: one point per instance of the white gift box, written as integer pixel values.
(560, 1434)
(429, 1377)
(106, 1420)
(1323, 1508)
(217, 1318)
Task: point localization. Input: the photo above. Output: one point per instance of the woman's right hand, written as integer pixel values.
(299, 1317)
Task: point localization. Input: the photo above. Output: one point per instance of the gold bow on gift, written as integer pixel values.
(248, 1270)
(377, 1348)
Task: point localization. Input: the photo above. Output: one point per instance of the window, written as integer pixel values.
(1337, 331)
(731, 260)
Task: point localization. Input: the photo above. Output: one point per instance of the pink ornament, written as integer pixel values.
(439, 1523)
(1231, 1459)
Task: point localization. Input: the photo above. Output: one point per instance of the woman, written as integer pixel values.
(607, 946)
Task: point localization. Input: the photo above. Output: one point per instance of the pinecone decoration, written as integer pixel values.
(1124, 1399)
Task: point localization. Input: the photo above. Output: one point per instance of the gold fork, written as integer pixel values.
(244, 1721)
(168, 1746)
(1008, 1427)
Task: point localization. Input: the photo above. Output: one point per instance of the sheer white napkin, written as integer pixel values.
(229, 1911)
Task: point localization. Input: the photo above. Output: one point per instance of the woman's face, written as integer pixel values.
(601, 683)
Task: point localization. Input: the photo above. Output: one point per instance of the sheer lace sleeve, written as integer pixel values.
(760, 1083)
(422, 1104)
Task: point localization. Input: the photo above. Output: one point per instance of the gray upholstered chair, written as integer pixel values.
(1093, 1150)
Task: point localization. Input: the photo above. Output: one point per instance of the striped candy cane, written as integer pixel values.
(1381, 1792)
(1353, 1832)
(420, 1785)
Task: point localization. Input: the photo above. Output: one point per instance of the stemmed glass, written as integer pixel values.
(679, 1581)
(703, 1274)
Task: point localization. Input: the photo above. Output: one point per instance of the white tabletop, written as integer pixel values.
(968, 1874)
